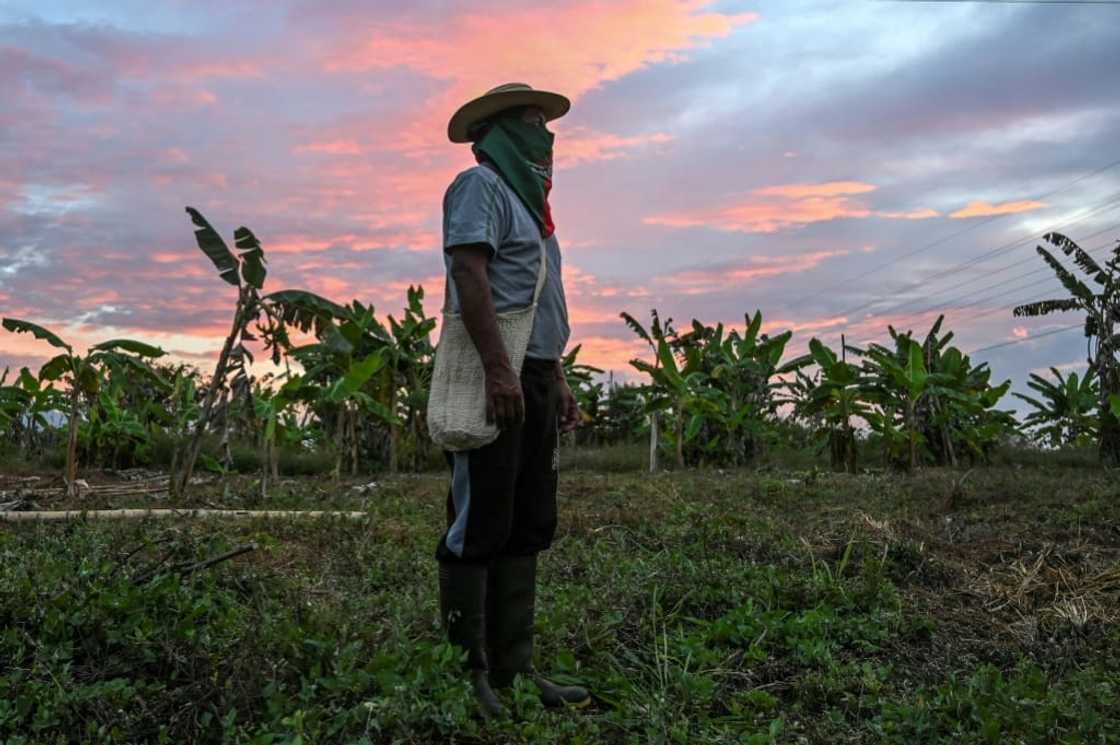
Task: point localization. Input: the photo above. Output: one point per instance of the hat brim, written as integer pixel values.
(553, 105)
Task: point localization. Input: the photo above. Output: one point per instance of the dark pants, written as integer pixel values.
(502, 500)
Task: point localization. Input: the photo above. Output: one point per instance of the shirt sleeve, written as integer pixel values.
(472, 212)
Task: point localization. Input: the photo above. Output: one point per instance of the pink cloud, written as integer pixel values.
(700, 282)
(221, 69)
(775, 208)
(610, 353)
(334, 147)
(812, 324)
(171, 96)
(921, 213)
(601, 42)
(984, 209)
(174, 156)
(582, 145)
(772, 209)
(475, 51)
(810, 191)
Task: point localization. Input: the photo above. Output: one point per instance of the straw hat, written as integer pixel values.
(507, 96)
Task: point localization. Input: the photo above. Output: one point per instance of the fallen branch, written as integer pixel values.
(146, 544)
(207, 563)
(48, 515)
(154, 568)
(125, 489)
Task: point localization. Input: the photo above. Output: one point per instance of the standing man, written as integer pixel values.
(501, 509)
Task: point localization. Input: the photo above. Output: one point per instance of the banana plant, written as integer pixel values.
(655, 401)
(588, 393)
(84, 375)
(246, 271)
(718, 386)
(24, 407)
(897, 381)
(14, 402)
(833, 396)
(1101, 306)
(747, 368)
(679, 389)
(341, 368)
(614, 412)
(929, 400)
(963, 410)
(273, 409)
(347, 393)
(112, 429)
(406, 377)
(180, 411)
(1067, 411)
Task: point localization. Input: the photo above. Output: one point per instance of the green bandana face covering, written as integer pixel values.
(522, 153)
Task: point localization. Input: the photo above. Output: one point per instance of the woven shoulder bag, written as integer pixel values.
(457, 399)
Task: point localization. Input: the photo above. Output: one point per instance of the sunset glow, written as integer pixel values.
(718, 158)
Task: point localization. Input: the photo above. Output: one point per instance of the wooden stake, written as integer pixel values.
(49, 515)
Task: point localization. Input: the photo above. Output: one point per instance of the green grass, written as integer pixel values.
(774, 606)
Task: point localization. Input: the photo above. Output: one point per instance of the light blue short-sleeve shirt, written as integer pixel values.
(479, 207)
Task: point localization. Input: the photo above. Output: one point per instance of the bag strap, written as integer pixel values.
(542, 270)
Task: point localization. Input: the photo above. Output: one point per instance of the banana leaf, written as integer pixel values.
(211, 244)
(17, 326)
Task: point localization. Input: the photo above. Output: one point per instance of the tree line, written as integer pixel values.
(352, 388)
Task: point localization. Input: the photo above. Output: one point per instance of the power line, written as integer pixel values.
(988, 275)
(1006, 308)
(1007, 247)
(1108, 205)
(1027, 338)
(974, 316)
(948, 304)
(968, 228)
(1004, 248)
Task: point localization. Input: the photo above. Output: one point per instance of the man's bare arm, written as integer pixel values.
(505, 404)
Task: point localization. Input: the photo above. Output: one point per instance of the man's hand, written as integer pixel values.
(505, 404)
(569, 410)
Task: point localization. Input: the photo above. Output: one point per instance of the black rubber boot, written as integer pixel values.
(462, 603)
(510, 605)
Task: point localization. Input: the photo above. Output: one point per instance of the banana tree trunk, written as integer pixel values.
(269, 467)
(419, 445)
(849, 452)
(911, 434)
(943, 430)
(264, 471)
(354, 442)
(850, 441)
(1110, 425)
(72, 442)
(339, 442)
(680, 438)
(216, 382)
(174, 464)
(948, 442)
(653, 442)
(394, 432)
(227, 422)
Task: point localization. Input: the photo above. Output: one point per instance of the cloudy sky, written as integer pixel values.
(838, 165)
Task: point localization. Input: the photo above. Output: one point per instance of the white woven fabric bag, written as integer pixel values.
(457, 399)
